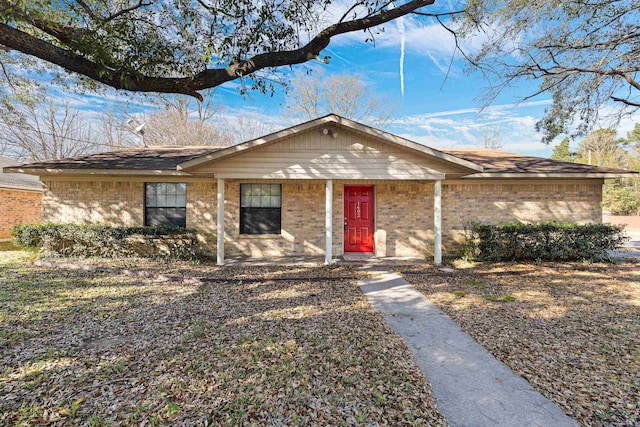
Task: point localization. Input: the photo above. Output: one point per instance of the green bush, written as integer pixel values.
(111, 242)
(547, 241)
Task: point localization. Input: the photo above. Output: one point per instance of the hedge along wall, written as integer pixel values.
(549, 241)
(111, 242)
(492, 201)
(119, 201)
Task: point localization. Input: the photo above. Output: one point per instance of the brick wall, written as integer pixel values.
(404, 219)
(404, 211)
(201, 212)
(122, 203)
(18, 207)
(302, 221)
(493, 202)
(94, 202)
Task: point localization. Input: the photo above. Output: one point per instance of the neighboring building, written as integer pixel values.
(20, 199)
(324, 187)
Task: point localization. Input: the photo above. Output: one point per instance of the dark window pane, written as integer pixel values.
(166, 204)
(260, 220)
(260, 211)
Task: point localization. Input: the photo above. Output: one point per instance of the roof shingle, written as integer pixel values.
(13, 180)
(168, 158)
(151, 158)
(501, 162)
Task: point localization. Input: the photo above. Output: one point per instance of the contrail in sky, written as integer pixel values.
(401, 29)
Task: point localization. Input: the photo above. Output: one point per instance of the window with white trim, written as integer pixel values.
(260, 208)
(165, 204)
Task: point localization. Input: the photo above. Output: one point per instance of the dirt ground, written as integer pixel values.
(258, 346)
(572, 330)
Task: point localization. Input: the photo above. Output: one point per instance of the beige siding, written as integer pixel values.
(313, 155)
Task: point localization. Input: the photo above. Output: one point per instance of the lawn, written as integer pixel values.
(572, 330)
(260, 346)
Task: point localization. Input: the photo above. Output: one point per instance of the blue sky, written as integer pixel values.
(439, 106)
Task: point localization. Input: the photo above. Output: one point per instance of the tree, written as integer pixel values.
(622, 196)
(184, 47)
(586, 54)
(111, 130)
(491, 138)
(602, 148)
(313, 94)
(562, 152)
(41, 132)
(182, 123)
(241, 128)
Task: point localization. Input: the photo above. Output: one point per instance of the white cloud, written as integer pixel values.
(464, 128)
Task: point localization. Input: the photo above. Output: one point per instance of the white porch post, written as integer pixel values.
(437, 222)
(220, 223)
(328, 222)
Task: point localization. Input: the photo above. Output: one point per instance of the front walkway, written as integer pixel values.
(631, 248)
(470, 387)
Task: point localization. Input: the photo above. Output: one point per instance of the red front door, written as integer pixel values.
(358, 218)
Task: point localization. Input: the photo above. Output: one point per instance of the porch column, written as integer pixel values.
(437, 222)
(328, 221)
(220, 223)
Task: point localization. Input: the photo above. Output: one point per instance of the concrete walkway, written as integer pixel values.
(470, 387)
(631, 249)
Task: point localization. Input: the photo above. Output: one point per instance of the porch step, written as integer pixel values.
(359, 256)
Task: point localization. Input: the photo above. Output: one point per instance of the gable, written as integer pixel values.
(329, 151)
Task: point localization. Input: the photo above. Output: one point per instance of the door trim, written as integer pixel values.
(374, 221)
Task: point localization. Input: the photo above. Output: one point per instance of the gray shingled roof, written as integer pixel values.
(17, 180)
(500, 162)
(152, 158)
(168, 158)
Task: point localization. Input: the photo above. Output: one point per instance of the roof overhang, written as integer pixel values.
(7, 186)
(605, 175)
(77, 171)
(329, 119)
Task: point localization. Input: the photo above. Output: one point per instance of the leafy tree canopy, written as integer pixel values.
(621, 196)
(184, 46)
(585, 53)
(563, 152)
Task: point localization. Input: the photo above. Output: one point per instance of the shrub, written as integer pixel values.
(469, 247)
(547, 241)
(111, 242)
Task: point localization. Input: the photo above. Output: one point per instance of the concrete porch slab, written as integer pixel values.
(319, 260)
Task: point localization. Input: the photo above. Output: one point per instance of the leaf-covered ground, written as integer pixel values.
(80, 348)
(572, 330)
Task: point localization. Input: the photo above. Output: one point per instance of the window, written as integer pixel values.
(166, 204)
(260, 208)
